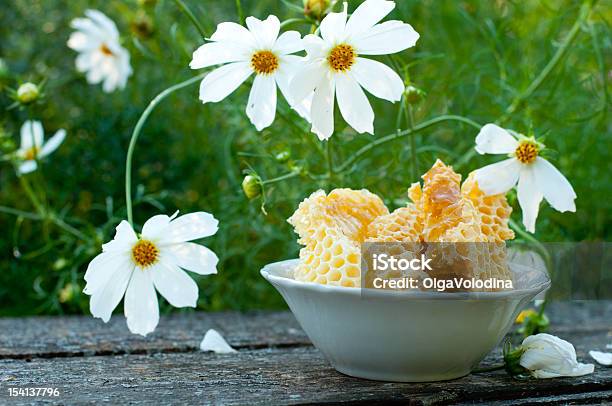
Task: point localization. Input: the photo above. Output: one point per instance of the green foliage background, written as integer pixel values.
(473, 59)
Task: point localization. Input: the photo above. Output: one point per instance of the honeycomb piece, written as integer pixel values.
(331, 228)
(402, 225)
(494, 211)
(440, 201)
(349, 210)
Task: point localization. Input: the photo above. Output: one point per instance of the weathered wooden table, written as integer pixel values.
(89, 361)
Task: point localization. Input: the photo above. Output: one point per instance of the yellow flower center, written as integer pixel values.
(30, 154)
(106, 50)
(342, 57)
(145, 253)
(264, 62)
(527, 151)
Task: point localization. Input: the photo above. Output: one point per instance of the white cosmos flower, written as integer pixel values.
(536, 177)
(257, 50)
(100, 53)
(336, 68)
(34, 147)
(137, 266)
(547, 356)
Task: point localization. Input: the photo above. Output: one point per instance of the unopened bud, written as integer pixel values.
(27, 93)
(283, 156)
(142, 26)
(252, 187)
(414, 94)
(316, 8)
(67, 293)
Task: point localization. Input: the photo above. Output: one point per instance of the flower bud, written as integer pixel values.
(283, 157)
(316, 8)
(414, 94)
(142, 26)
(252, 187)
(27, 93)
(67, 292)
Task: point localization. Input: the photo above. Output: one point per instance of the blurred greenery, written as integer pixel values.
(473, 59)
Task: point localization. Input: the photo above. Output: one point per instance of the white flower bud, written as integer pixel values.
(27, 93)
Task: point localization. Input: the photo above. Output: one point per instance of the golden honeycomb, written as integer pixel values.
(331, 228)
(494, 211)
(460, 228)
(402, 225)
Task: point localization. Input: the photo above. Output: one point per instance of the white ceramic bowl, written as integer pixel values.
(404, 336)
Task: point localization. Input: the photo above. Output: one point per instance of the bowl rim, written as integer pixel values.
(267, 273)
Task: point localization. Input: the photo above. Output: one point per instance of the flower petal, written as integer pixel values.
(354, 104)
(367, 14)
(315, 46)
(194, 257)
(101, 269)
(378, 79)
(493, 139)
(290, 64)
(155, 227)
(32, 135)
(261, 107)
(140, 306)
(306, 80)
(81, 42)
(233, 33)
(221, 82)
(27, 167)
(498, 177)
(322, 110)
(174, 284)
(333, 25)
(556, 189)
(529, 197)
(105, 298)
(124, 239)
(265, 32)
(53, 143)
(386, 38)
(288, 42)
(213, 341)
(217, 53)
(603, 358)
(103, 22)
(191, 226)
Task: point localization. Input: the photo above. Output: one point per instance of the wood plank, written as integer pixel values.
(84, 336)
(291, 375)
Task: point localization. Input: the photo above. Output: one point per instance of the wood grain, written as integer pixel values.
(91, 362)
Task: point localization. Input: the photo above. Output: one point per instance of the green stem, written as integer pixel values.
(20, 213)
(330, 162)
(68, 228)
(520, 98)
(399, 134)
(240, 12)
(539, 246)
(281, 178)
(32, 196)
(290, 21)
(191, 16)
(413, 151)
(136, 133)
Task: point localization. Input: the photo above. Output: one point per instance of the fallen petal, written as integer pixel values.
(213, 341)
(604, 358)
